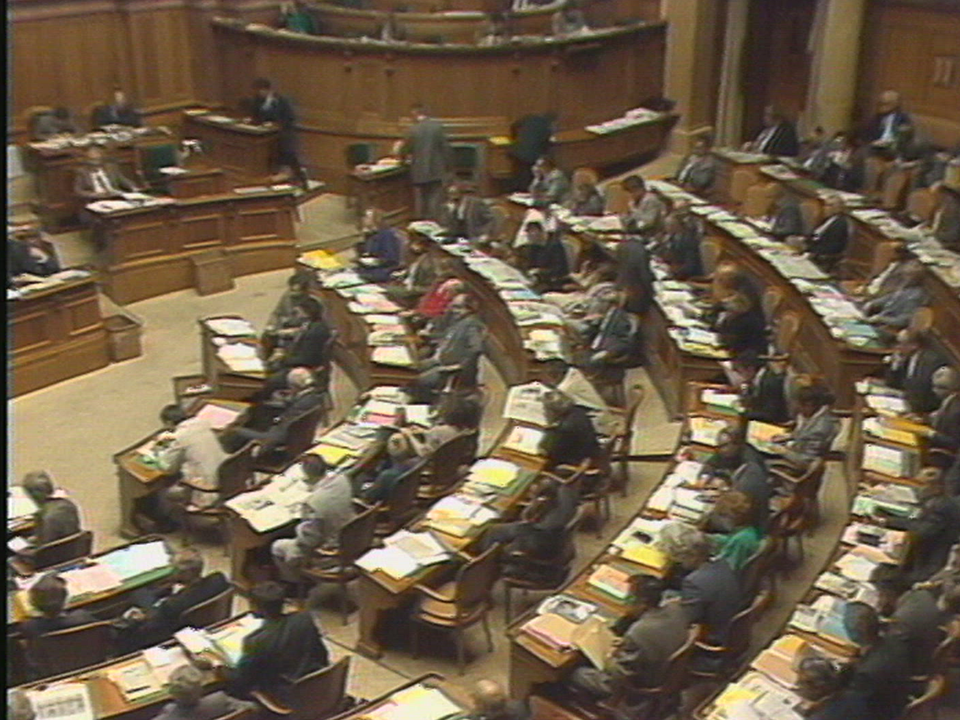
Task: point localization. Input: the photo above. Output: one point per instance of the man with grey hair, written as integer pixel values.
(883, 127)
(189, 703)
(945, 420)
(19, 706)
(57, 517)
(490, 702)
(157, 614)
(300, 396)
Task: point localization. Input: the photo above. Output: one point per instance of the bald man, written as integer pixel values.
(490, 703)
(884, 126)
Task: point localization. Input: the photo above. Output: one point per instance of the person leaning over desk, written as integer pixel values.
(57, 516)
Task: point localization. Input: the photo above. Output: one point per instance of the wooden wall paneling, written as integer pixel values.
(202, 230)
(31, 330)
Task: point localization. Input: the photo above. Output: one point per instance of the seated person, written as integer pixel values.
(99, 178)
(786, 219)
(189, 445)
(381, 252)
(285, 648)
(910, 369)
(681, 246)
(570, 437)
(741, 326)
(549, 184)
(617, 341)
(829, 240)
(945, 221)
(895, 309)
(915, 614)
(933, 532)
(656, 631)
(646, 211)
(539, 533)
(52, 124)
(710, 592)
(547, 258)
(118, 111)
(457, 352)
(945, 420)
(881, 673)
(740, 538)
(882, 129)
(378, 485)
(584, 309)
(57, 516)
(465, 214)
(490, 702)
(300, 397)
(186, 687)
(309, 346)
(569, 19)
(822, 684)
(843, 167)
(157, 612)
(328, 507)
(29, 252)
(48, 596)
(814, 428)
(457, 414)
(763, 388)
(778, 136)
(697, 170)
(737, 465)
(296, 16)
(284, 322)
(418, 277)
(436, 301)
(585, 198)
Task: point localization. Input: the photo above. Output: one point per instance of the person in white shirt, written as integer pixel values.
(190, 445)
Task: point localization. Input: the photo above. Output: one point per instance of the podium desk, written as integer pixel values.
(56, 333)
(146, 250)
(388, 190)
(246, 152)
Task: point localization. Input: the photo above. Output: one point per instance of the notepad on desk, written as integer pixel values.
(217, 416)
(524, 439)
(396, 355)
(63, 701)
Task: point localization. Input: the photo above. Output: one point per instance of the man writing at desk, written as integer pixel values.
(99, 178)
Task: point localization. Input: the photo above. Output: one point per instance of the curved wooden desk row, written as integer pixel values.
(862, 258)
(150, 250)
(775, 664)
(352, 91)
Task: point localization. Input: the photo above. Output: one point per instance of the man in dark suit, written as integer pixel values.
(682, 245)
(416, 279)
(282, 650)
(28, 252)
(428, 152)
(48, 596)
(546, 258)
(270, 107)
(711, 593)
(778, 136)
(571, 437)
(158, 614)
(532, 139)
(828, 241)
(740, 466)
(308, 348)
(119, 111)
(634, 274)
(911, 369)
(945, 420)
(381, 252)
(697, 169)
(786, 220)
(57, 516)
(763, 390)
(883, 127)
(465, 214)
(272, 420)
(617, 341)
(189, 703)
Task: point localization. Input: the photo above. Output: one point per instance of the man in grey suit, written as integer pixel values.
(99, 178)
(428, 153)
(465, 214)
(711, 593)
(814, 429)
(457, 352)
(697, 169)
(189, 703)
(640, 657)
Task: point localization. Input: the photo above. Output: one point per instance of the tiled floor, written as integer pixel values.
(73, 429)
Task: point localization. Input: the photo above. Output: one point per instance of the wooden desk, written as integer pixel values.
(56, 333)
(729, 162)
(389, 191)
(225, 381)
(198, 181)
(137, 478)
(147, 251)
(248, 153)
(432, 680)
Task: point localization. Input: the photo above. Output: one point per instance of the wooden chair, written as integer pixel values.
(759, 199)
(300, 437)
(356, 537)
(460, 603)
(726, 657)
(441, 469)
(785, 333)
(921, 205)
(787, 524)
(316, 696)
(805, 485)
(622, 442)
(896, 183)
(661, 700)
(401, 505)
(926, 707)
(770, 303)
(67, 650)
(535, 575)
(740, 182)
(66, 549)
(235, 475)
(595, 488)
(757, 568)
(210, 611)
(710, 252)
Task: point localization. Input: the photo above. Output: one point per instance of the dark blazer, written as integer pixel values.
(279, 111)
(388, 472)
(932, 533)
(19, 261)
(945, 422)
(766, 397)
(918, 622)
(385, 245)
(845, 705)
(35, 627)
(918, 385)
(882, 676)
(874, 129)
(788, 219)
(753, 479)
(214, 705)
(831, 237)
(616, 334)
(683, 253)
(277, 434)
(57, 518)
(163, 612)
(697, 172)
(783, 140)
(634, 274)
(281, 651)
(711, 595)
(572, 440)
(848, 178)
(533, 137)
(476, 219)
(309, 346)
(550, 259)
(747, 330)
(112, 115)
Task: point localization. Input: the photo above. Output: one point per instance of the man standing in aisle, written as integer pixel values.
(270, 107)
(428, 152)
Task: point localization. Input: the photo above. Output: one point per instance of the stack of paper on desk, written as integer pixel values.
(240, 357)
(163, 661)
(396, 355)
(761, 434)
(704, 430)
(525, 403)
(350, 436)
(524, 439)
(137, 559)
(824, 617)
(856, 566)
(613, 581)
(889, 461)
(415, 703)
(494, 472)
(91, 580)
(390, 560)
(63, 701)
(231, 327)
(19, 504)
(421, 546)
(229, 639)
(555, 631)
(333, 455)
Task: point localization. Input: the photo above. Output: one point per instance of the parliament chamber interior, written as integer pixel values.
(483, 359)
